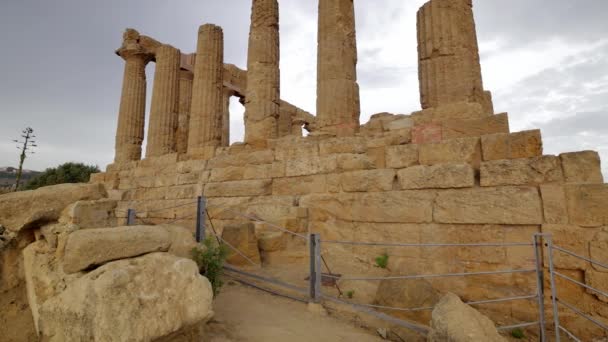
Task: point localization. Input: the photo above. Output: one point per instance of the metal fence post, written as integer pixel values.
(130, 217)
(540, 285)
(549, 245)
(200, 218)
(315, 268)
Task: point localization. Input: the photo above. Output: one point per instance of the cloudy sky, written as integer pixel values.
(546, 62)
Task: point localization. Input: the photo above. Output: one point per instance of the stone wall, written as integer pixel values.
(467, 181)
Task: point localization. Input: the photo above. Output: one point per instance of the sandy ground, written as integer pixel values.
(246, 314)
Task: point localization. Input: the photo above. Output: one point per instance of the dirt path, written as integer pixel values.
(246, 314)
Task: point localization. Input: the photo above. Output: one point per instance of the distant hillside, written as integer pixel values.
(9, 174)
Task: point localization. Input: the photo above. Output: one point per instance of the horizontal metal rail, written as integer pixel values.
(445, 275)
(571, 335)
(257, 219)
(391, 244)
(580, 256)
(267, 279)
(582, 314)
(267, 290)
(423, 330)
(563, 276)
(172, 207)
(520, 325)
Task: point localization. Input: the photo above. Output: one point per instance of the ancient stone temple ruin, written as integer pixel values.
(452, 172)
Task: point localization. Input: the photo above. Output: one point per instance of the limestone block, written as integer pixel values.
(572, 238)
(342, 145)
(582, 167)
(242, 159)
(378, 156)
(126, 300)
(450, 111)
(455, 321)
(174, 179)
(554, 203)
(272, 241)
(242, 237)
(233, 173)
(417, 293)
(441, 176)
(191, 166)
(545, 169)
(94, 247)
(90, 214)
(599, 281)
(299, 185)
(427, 133)
(382, 207)
(598, 250)
(239, 188)
(501, 205)
(588, 204)
(399, 123)
(372, 180)
(182, 241)
(348, 162)
(183, 192)
(24, 209)
(298, 149)
(465, 150)
(526, 144)
(453, 129)
(401, 156)
(311, 165)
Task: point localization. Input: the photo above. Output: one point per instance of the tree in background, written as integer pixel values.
(26, 145)
(65, 173)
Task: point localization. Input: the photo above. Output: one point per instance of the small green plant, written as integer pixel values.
(350, 294)
(382, 260)
(210, 257)
(518, 333)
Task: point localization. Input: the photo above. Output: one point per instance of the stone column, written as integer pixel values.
(448, 68)
(263, 73)
(165, 97)
(183, 110)
(338, 106)
(132, 112)
(207, 93)
(226, 118)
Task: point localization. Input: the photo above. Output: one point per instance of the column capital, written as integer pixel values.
(134, 51)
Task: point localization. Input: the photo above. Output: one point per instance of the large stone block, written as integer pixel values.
(582, 167)
(427, 133)
(526, 144)
(94, 247)
(299, 185)
(242, 159)
(554, 203)
(453, 129)
(588, 204)
(571, 238)
(501, 205)
(451, 111)
(382, 207)
(234, 173)
(342, 145)
(242, 238)
(311, 165)
(349, 161)
(90, 214)
(372, 180)
(401, 156)
(441, 176)
(598, 250)
(239, 188)
(546, 169)
(465, 150)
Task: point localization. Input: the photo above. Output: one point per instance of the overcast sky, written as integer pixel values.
(545, 61)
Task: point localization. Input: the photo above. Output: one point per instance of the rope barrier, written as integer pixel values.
(430, 275)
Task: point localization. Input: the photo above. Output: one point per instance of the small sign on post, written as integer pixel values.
(315, 268)
(200, 219)
(130, 217)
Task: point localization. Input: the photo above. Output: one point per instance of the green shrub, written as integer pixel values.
(64, 173)
(382, 260)
(350, 294)
(518, 333)
(210, 257)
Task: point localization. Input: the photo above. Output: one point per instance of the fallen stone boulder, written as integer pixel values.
(27, 209)
(141, 299)
(417, 293)
(456, 321)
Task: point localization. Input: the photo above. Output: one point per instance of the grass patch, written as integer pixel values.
(210, 257)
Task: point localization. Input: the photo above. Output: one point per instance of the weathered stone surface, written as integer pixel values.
(242, 237)
(94, 247)
(502, 205)
(338, 105)
(233, 173)
(272, 241)
(90, 214)
(599, 281)
(598, 250)
(33, 208)
(451, 111)
(582, 167)
(342, 145)
(299, 185)
(427, 133)
(242, 159)
(183, 110)
(455, 321)
(372, 180)
(441, 176)
(572, 238)
(182, 241)
(126, 300)
(588, 204)
(417, 293)
(554, 203)
(311, 165)
(348, 162)
(546, 169)
(239, 188)
(451, 151)
(401, 156)
(452, 129)
(526, 144)
(391, 206)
